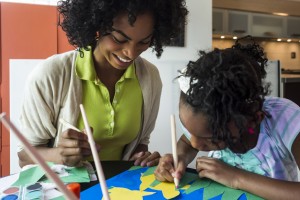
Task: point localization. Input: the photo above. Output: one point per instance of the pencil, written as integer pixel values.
(95, 155)
(68, 125)
(36, 157)
(174, 147)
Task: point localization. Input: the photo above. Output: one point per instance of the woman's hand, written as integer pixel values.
(165, 170)
(74, 147)
(218, 171)
(141, 156)
(145, 158)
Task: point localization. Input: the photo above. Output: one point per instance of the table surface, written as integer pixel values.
(110, 169)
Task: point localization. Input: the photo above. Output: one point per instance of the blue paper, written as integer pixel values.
(130, 179)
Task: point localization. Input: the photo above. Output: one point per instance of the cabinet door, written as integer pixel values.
(28, 31)
(293, 27)
(238, 23)
(219, 18)
(268, 26)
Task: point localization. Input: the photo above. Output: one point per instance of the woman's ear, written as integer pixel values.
(97, 35)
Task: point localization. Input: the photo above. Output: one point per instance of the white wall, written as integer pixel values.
(198, 36)
(19, 71)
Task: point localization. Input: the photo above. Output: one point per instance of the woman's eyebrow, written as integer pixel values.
(127, 37)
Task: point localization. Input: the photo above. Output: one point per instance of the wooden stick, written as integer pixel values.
(36, 157)
(96, 158)
(174, 147)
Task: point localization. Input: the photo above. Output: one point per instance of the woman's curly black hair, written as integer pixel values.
(82, 19)
(228, 85)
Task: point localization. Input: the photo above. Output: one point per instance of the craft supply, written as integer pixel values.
(95, 155)
(174, 147)
(10, 197)
(11, 190)
(75, 188)
(68, 125)
(36, 157)
(11, 193)
(33, 192)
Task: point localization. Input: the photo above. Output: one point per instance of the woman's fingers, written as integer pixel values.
(73, 146)
(151, 160)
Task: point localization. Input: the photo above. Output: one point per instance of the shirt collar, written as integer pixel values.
(85, 69)
(85, 65)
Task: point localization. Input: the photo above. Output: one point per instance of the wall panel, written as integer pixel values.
(27, 32)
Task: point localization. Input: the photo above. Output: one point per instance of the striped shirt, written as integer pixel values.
(272, 156)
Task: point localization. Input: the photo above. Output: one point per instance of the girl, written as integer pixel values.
(254, 140)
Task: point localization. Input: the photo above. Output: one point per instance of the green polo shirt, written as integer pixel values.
(115, 123)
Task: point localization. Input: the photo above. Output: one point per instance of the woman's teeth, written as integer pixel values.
(123, 60)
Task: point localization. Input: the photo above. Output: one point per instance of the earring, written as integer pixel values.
(250, 131)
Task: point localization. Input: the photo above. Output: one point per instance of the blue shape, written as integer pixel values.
(219, 197)
(10, 197)
(131, 179)
(157, 195)
(243, 197)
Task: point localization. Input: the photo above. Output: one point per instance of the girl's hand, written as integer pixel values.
(73, 147)
(145, 158)
(165, 170)
(218, 171)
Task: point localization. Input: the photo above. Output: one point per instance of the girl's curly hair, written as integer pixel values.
(82, 19)
(228, 85)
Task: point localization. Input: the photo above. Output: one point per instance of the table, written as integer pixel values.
(113, 168)
(110, 169)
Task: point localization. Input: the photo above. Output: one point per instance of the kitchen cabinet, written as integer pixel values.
(267, 26)
(238, 23)
(230, 22)
(219, 21)
(293, 27)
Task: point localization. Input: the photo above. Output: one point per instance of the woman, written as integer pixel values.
(119, 90)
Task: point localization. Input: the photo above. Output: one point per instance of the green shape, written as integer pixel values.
(29, 176)
(231, 194)
(76, 174)
(149, 171)
(155, 183)
(134, 168)
(198, 184)
(188, 178)
(212, 190)
(252, 196)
